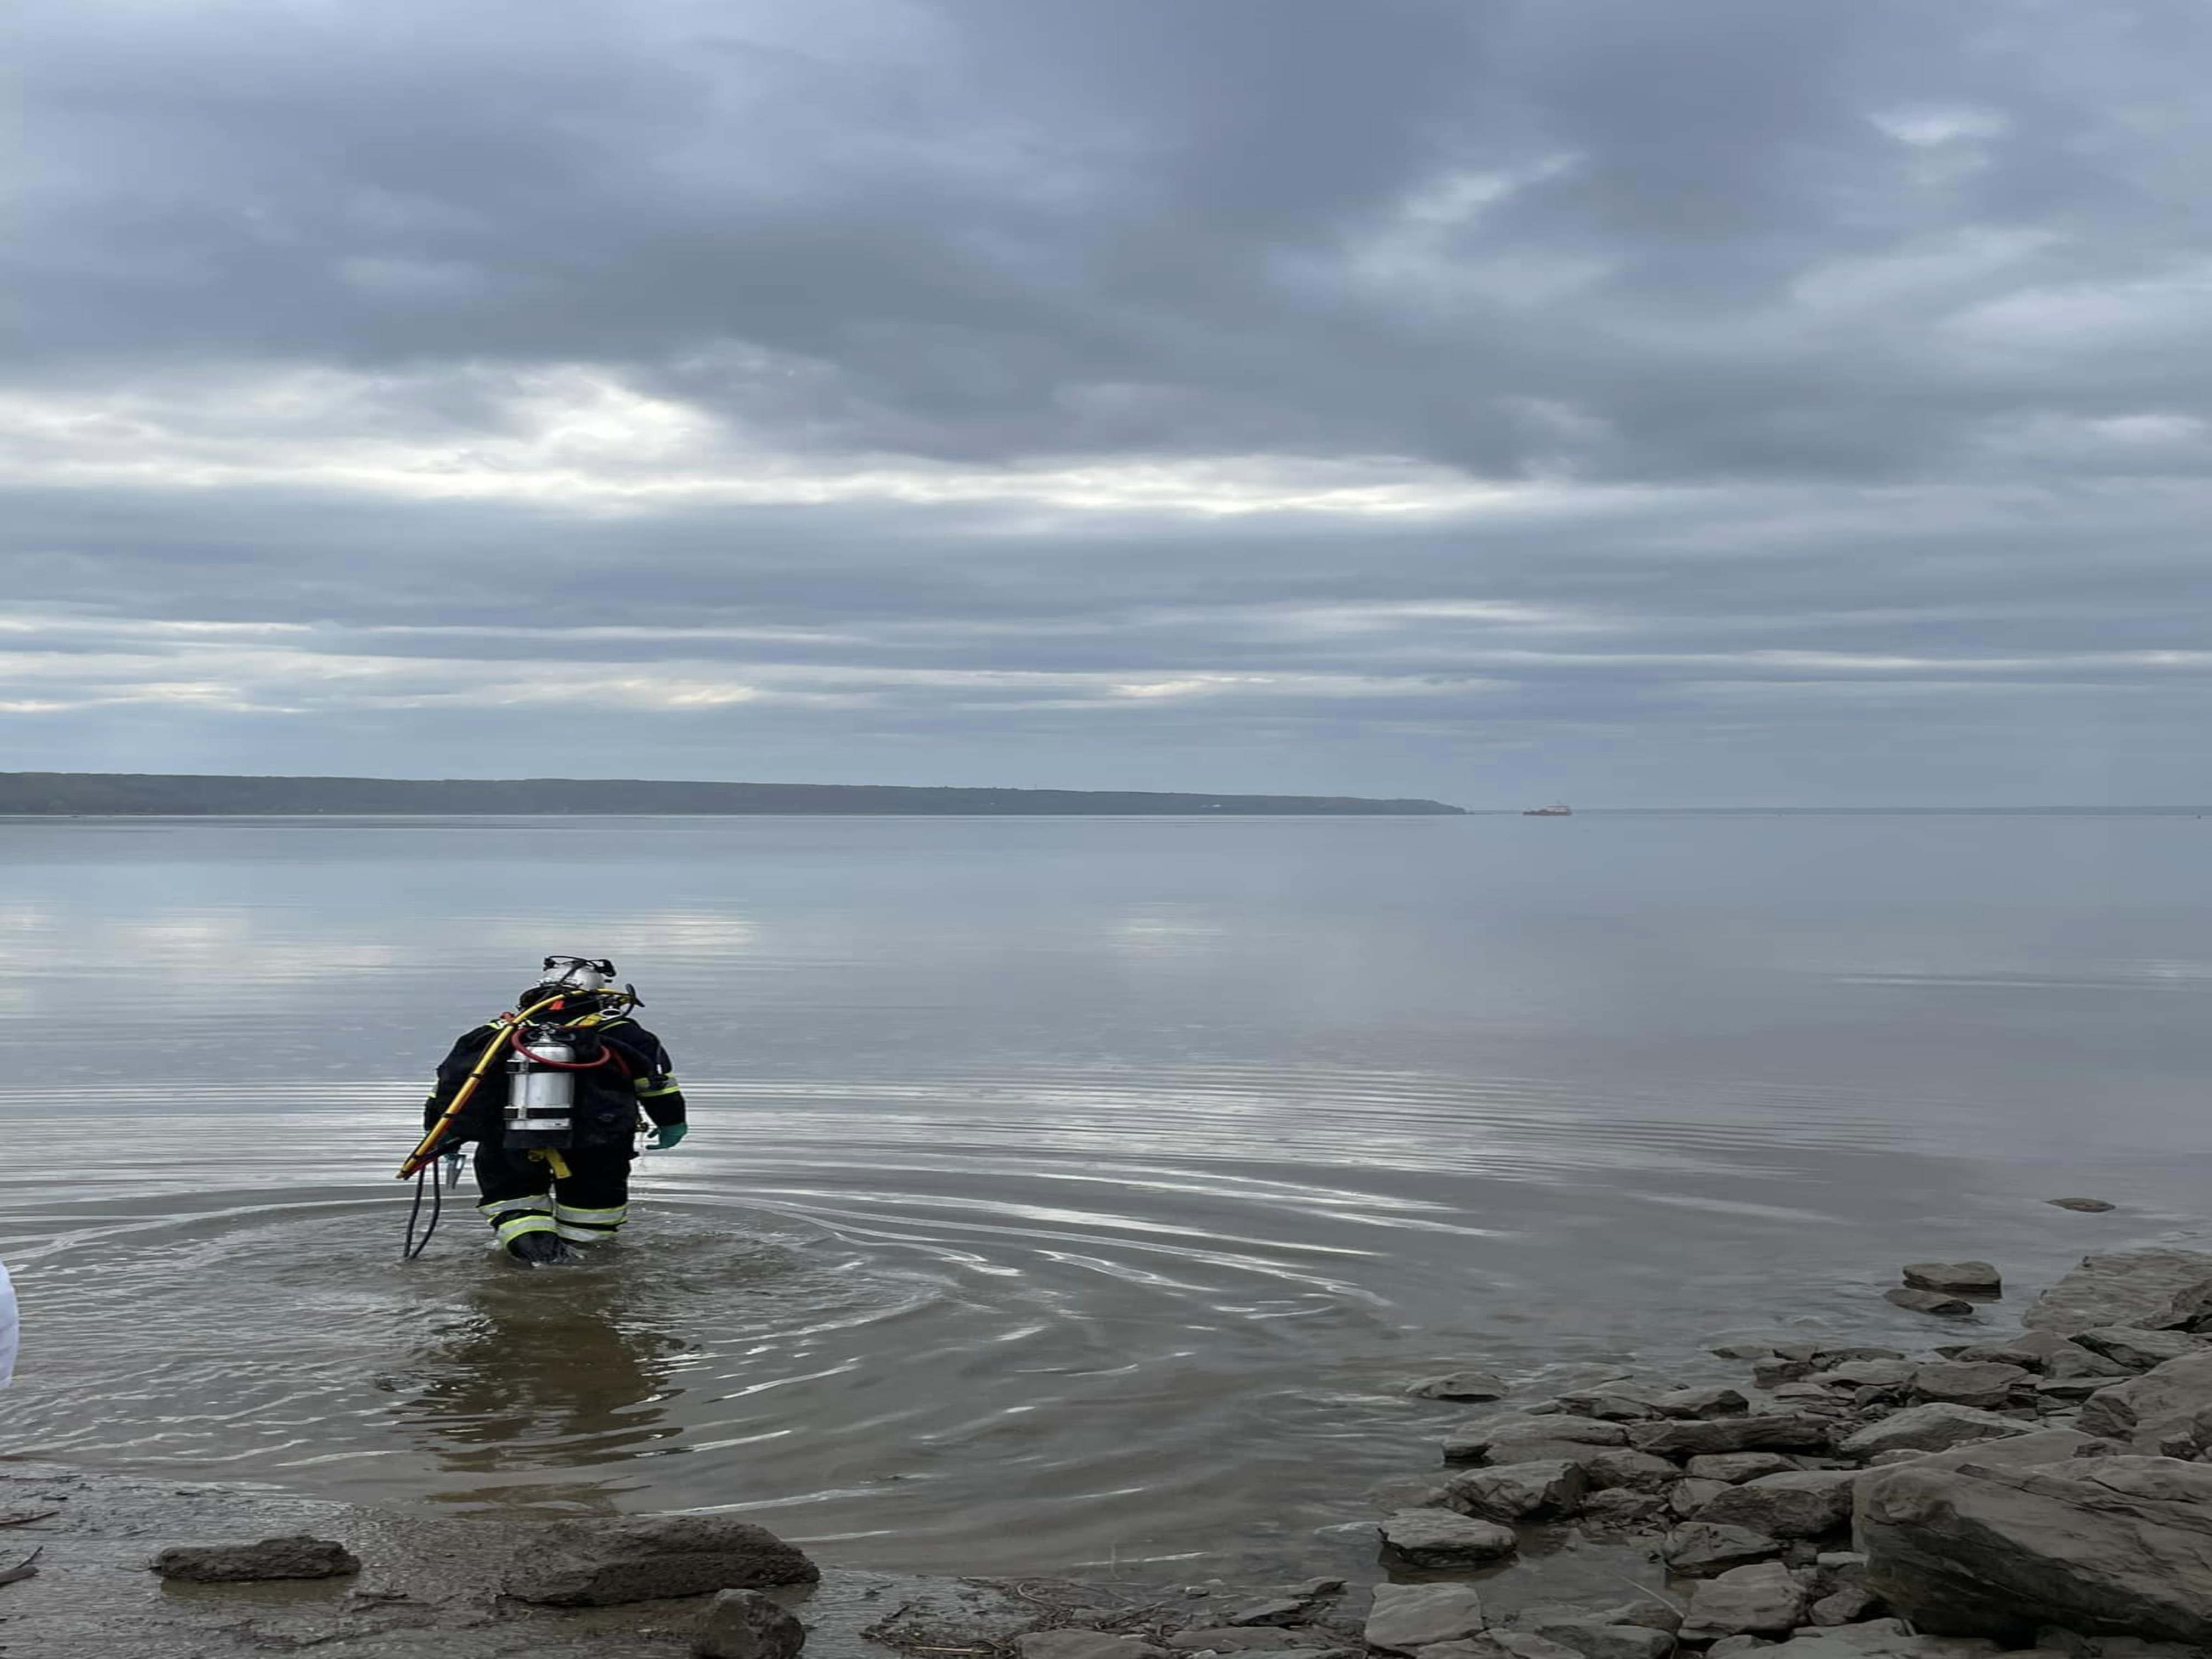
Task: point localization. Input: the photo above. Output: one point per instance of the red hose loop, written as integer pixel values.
(606, 1054)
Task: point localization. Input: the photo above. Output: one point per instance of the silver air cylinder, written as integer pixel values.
(539, 1099)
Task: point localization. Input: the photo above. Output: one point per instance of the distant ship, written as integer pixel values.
(1556, 810)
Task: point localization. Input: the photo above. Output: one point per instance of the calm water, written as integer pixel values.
(1062, 1191)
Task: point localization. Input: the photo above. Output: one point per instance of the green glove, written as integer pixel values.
(667, 1137)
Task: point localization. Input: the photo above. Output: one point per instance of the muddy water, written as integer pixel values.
(1062, 1192)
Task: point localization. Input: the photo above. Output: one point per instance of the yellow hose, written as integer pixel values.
(427, 1148)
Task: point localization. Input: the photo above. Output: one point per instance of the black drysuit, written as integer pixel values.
(523, 1191)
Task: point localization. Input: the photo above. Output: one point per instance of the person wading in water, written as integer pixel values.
(551, 1094)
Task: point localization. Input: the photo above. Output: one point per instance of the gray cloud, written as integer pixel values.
(1722, 399)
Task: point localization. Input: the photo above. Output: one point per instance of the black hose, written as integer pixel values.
(432, 1172)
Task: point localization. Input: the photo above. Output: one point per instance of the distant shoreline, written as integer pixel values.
(124, 794)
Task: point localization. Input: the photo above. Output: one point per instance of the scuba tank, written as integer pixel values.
(541, 1086)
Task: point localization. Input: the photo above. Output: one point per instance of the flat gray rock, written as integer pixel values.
(1460, 1385)
(1520, 1492)
(1763, 1600)
(1804, 1504)
(1702, 1402)
(1611, 1404)
(1931, 1428)
(1499, 1644)
(1847, 1605)
(2125, 1287)
(649, 1558)
(2140, 1350)
(1701, 1548)
(2058, 1392)
(2075, 1361)
(743, 1623)
(1530, 1439)
(2020, 1451)
(1409, 1617)
(2166, 1409)
(1411, 1492)
(1438, 1538)
(1796, 1432)
(2103, 1546)
(1291, 1609)
(1959, 1277)
(2030, 1350)
(1778, 1369)
(1639, 1471)
(1735, 1468)
(1930, 1302)
(1692, 1495)
(1083, 1644)
(1987, 1384)
(1595, 1639)
(1242, 1638)
(244, 1564)
(1868, 1374)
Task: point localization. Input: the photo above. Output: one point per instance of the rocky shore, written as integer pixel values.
(2046, 1491)
(2042, 1490)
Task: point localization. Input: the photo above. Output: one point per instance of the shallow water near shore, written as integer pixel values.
(1064, 1192)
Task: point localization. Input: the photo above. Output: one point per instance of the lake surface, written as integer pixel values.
(1062, 1192)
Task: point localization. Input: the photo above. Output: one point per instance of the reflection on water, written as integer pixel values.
(540, 1374)
(1062, 1191)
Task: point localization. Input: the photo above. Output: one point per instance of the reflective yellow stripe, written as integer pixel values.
(507, 1232)
(613, 1218)
(498, 1208)
(669, 1086)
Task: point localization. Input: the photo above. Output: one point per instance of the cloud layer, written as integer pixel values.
(1722, 401)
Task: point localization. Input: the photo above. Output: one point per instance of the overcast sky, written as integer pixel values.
(1792, 402)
